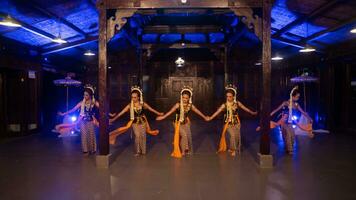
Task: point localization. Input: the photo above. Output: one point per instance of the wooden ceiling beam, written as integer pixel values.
(54, 16)
(331, 29)
(182, 29)
(69, 45)
(154, 4)
(315, 13)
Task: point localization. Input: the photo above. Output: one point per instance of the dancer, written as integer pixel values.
(86, 120)
(138, 121)
(182, 142)
(288, 120)
(232, 121)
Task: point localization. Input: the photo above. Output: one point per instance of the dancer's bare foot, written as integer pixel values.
(233, 153)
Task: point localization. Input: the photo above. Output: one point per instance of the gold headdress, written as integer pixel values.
(190, 90)
(92, 103)
(234, 89)
(135, 88)
(90, 87)
(229, 106)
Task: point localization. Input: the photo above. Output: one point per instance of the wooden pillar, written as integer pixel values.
(102, 81)
(266, 78)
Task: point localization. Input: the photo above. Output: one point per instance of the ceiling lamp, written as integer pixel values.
(353, 30)
(183, 1)
(59, 40)
(8, 21)
(307, 49)
(277, 58)
(89, 53)
(180, 62)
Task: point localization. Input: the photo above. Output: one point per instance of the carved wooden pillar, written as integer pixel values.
(266, 78)
(102, 81)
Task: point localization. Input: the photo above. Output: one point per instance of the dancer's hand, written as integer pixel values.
(160, 114)
(159, 118)
(253, 113)
(207, 118)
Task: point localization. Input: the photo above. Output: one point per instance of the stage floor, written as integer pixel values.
(47, 167)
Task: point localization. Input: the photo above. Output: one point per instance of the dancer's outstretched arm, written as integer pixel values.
(96, 104)
(71, 110)
(284, 103)
(217, 112)
(148, 107)
(246, 109)
(197, 111)
(173, 109)
(304, 113)
(121, 113)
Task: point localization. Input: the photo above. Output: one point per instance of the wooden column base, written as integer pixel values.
(265, 161)
(104, 161)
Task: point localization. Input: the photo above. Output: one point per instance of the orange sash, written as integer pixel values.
(176, 150)
(222, 144)
(121, 130)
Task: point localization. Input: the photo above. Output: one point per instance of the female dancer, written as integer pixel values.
(288, 119)
(138, 121)
(86, 120)
(182, 123)
(231, 120)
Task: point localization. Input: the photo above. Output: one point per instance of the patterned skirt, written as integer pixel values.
(139, 130)
(87, 132)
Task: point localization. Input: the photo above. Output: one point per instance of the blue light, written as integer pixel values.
(294, 118)
(294, 126)
(73, 118)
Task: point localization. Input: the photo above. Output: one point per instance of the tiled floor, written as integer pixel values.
(46, 167)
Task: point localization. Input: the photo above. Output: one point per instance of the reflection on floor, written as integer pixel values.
(46, 167)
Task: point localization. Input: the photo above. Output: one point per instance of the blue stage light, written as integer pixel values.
(73, 118)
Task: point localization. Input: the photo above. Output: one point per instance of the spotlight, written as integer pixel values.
(73, 118)
(353, 30)
(294, 117)
(72, 132)
(183, 1)
(294, 126)
(258, 64)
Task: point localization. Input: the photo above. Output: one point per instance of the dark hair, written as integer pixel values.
(89, 91)
(295, 92)
(230, 91)
(186, 92)
(136, 92)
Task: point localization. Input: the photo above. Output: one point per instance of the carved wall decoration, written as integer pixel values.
(115, 23)
(253, 22)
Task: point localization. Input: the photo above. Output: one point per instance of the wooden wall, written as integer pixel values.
(20, 91)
